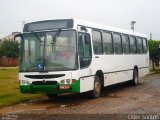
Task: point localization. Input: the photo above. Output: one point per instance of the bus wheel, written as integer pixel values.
(52, 96)
(97, 88)
(135, 77)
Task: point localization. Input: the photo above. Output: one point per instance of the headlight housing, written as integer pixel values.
(66, 81)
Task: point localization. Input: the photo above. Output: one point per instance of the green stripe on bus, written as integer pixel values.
(75, 88)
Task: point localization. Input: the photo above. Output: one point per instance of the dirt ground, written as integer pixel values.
(118, 99)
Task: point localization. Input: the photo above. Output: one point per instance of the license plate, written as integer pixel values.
(64, 87)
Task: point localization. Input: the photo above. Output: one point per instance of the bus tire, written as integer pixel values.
(95, 93)
(135, 80)
(52, 96)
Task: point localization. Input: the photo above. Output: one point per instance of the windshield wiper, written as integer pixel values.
(55, 36)
(53, 42)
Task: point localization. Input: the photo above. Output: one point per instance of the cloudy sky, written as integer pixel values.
(116, 13)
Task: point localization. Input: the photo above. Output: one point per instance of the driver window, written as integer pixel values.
(85, 51)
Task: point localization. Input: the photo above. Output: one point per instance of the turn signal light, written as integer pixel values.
(73, 80)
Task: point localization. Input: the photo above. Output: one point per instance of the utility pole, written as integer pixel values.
(23, 23)
(150, 36)
(132, 25)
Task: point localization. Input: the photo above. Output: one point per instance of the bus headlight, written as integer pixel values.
(73, 80)
(24, 82)
(62, 81)
(68, 81)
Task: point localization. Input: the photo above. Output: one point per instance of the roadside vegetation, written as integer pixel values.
(9, 49)
(154, 54)
(9, 88)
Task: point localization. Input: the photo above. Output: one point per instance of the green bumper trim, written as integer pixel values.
(50, 89)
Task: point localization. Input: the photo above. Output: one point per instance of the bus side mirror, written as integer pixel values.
(18, 38)
(84, 29)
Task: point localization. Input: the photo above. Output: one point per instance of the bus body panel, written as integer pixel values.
(86, 84)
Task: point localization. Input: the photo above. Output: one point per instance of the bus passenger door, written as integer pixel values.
(85, 58)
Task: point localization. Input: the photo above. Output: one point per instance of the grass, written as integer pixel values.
(9, 88)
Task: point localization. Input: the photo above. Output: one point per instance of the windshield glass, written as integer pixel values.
(48, 51)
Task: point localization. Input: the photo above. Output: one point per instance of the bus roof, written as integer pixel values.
(68, 24)
(105, 27)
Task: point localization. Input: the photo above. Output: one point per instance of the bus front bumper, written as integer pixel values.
(51, 89)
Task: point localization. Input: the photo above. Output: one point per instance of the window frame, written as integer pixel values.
(101, 42)
(141, 52)
(107, 32)
(144, 39)
(127, 36)
(116, 33)
(134, 37)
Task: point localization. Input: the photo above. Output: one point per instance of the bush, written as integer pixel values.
(154, 51)
(9, 48)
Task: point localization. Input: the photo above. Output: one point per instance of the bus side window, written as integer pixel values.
(97, 42)
(125, 44)
(117, 43)
(133, 45)
(145, 45)
(85, 52)
(107, 43)
(139, 45)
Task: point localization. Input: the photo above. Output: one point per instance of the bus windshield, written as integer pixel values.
(48, 51)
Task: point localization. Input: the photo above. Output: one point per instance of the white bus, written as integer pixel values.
(77, 56)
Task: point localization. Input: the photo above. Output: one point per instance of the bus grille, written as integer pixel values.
(44, 76)
(44, 83)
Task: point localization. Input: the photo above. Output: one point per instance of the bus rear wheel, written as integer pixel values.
(135, 80)
(95, 93)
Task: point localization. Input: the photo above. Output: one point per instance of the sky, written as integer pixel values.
(116, 13)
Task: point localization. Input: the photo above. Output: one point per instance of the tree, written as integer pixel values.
(154, 51)
(9, 48)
